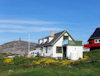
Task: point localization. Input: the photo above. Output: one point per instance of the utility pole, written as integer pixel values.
(28, 42)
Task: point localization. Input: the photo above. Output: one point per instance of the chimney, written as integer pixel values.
(52, 34)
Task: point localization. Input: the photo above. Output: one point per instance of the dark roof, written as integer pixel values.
(96, 34)
(50, 43)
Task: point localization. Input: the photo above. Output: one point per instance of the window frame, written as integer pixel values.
(65, 38)
(97, 40)
(58, 49)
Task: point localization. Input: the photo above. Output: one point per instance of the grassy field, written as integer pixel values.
(79, 68)
(89, 69)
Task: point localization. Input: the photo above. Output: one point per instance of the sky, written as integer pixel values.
(19, 18)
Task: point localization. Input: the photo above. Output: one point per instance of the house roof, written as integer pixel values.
(50, 43)
(57, 37)
(96, 34)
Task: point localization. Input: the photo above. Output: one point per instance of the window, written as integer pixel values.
(58, 49)
(99, 41)
(65, 37)
(96, 41)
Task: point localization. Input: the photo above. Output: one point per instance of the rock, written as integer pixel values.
(17, 47)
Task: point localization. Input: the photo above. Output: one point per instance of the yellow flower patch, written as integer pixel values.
(83, 59)
(63, 63)
(9, 60)
(51, 61)
(46, 61)
(86, 56)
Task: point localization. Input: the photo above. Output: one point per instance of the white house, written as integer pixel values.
(60, 45)
(33, 53)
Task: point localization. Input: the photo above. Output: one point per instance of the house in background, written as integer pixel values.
(60, 45)
(93, 41)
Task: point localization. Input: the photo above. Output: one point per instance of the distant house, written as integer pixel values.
(60, 45)
(94, 40)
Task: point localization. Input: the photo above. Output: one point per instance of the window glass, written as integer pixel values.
(99, 41)
(65, 37)
(58, 49)
(96, 41)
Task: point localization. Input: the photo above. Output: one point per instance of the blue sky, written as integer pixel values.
(39, 17)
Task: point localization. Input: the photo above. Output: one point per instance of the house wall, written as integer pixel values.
(96, 40)
(74, 52)
(39, 51)
(40, 41)
(49, 51)
(59, 43)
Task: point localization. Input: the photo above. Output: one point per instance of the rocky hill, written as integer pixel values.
(17, 47)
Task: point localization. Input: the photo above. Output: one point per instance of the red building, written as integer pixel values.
(94, 40)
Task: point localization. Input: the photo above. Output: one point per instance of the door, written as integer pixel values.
(64, 51)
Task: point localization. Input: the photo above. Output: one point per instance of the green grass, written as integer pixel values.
(94, 54)
(84, 68)
(89, 69)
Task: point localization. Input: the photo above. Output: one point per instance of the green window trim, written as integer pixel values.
(58, 49)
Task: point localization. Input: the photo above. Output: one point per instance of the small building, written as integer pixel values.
(93, 41)
(60, 45)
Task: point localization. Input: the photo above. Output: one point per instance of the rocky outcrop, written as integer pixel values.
(17, 47)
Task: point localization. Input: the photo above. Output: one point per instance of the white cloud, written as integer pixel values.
(6, 26)
(36, 29)
(11, 26)
(28, 22)
(24, 29)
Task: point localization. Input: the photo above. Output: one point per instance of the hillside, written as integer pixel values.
(16, 47)
(93, 54)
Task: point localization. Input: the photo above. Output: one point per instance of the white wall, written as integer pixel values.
(33, 53)
(40, 41)
(59, 43)
(86, 49)
(74, 52)
(44, 40)
(50, 38)
(69, 38)
(40, 51)
(49, 51)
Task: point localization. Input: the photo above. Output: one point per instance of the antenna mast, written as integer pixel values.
(28, 42)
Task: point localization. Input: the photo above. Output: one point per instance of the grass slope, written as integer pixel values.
(89, 69)
(85, 68)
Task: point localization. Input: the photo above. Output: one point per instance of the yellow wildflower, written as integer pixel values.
(66, 62)
(9, 60)
(36, 62)
(83, 58)
(86, 56)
